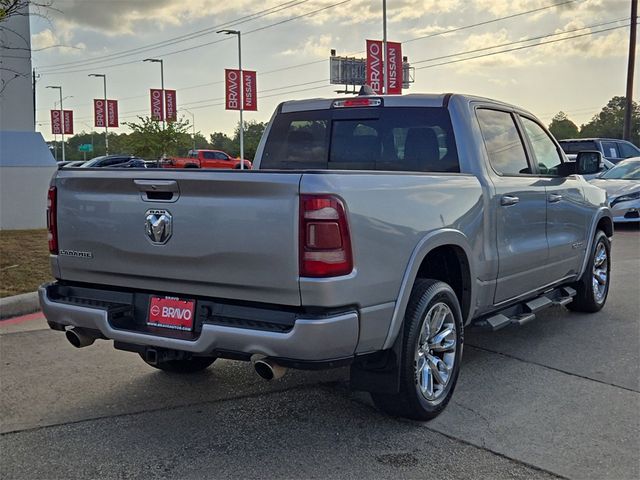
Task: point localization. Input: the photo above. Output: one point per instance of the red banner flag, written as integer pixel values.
(232, 89)
(157, 105)
(56, 123)
(68, 122)
(394, 68)
(374, 65)
(99, 114)
(112, 113)
(170, 105)
(250, 90)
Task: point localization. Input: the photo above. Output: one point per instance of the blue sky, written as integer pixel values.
(578, 75)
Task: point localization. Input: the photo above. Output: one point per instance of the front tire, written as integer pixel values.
(189, 365)
(431, 353)
(593, 286)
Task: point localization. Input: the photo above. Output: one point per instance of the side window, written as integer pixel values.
(627, 150)
(209, 155)
(220, 156)
(610, 149)
(547, 156)
(504, 145)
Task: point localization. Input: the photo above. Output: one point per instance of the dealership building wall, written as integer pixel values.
(26, 163)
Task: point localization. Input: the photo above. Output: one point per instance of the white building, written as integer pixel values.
(26, 163)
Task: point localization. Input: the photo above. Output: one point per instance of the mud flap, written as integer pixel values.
(379, 372)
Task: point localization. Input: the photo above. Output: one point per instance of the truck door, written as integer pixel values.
(519, 206)
(566, 211)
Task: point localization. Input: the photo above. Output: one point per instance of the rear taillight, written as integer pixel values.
(325, 245)
(52, 220)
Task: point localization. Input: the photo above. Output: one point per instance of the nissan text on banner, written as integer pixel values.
(157, 105)
(99, 114)
(67, 119)
(374, 65)
(232, 89)
(249, 90)
(394, 68)
(112, 113)
(171, 113)
(56, 124)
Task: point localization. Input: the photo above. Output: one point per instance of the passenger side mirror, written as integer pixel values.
(588, 162)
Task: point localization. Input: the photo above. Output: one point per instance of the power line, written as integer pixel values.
(530, 39)
(291, 67)
(520, 48)
(178, 39)
(174, 52)
(487, 22)
(131, 113)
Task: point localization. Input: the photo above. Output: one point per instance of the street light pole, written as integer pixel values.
(61, 117)
(626, 134)
(193, 125)
(106, 111)
(161, 62)
(239, 34)
(384, 46)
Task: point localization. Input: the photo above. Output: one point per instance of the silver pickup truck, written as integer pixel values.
(370, 232)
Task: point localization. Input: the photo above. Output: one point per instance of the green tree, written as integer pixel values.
(252, 134)
(561, 127)
(220, 141)
(609, 122)
(148, 139)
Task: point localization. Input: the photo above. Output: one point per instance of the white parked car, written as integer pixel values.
(622, 184)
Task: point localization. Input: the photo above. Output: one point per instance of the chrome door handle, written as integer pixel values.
(507, 200)
(554, 197)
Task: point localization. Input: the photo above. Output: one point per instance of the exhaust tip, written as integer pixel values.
(264, 370)
(268, 369)
(78, 338)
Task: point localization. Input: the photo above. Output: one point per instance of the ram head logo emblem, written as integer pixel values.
(158, 226)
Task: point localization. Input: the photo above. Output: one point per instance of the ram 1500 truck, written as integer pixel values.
(370, 232)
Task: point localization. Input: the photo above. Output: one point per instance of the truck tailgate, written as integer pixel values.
(234, 234)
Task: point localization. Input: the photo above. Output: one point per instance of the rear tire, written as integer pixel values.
(189, 365)
(593, 286)
(431, 353)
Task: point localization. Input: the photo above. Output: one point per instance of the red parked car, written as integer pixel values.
(205, 159)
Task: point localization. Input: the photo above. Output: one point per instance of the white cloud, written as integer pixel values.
(60, 40)
(314, 47)
(127, 16)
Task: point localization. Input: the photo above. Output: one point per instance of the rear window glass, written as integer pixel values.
(575, 147)
(404, 139)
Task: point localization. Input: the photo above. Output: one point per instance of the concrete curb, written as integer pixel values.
(19, 305)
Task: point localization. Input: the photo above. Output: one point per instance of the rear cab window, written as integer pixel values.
(502, 140)
(387, 139)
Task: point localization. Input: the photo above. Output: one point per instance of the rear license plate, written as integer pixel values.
(171, 312)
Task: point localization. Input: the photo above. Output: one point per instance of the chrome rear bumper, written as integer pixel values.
(310, 339)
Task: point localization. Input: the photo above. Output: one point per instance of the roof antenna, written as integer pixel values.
(366, 90)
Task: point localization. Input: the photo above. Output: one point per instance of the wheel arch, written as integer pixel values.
(602, 220)
(442, 255)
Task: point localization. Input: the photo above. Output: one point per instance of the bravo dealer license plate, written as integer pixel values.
(171, 312)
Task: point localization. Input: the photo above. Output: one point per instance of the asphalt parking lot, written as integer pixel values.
(559, 397)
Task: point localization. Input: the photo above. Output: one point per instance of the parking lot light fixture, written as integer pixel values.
(161, 62)
(106, 110)
(239, 34)
(59, 88)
